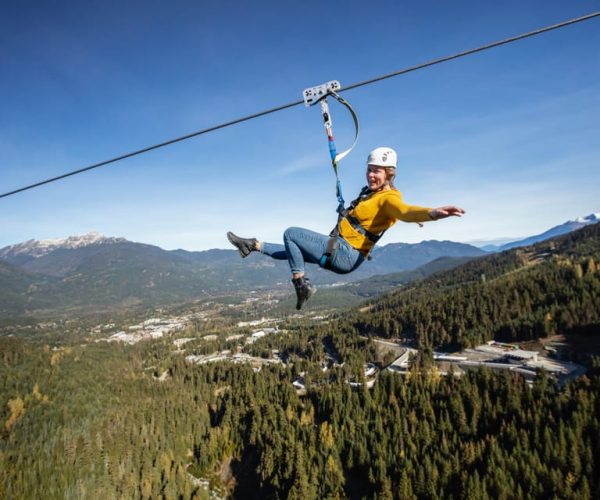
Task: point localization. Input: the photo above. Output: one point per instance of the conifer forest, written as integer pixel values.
(87, 419)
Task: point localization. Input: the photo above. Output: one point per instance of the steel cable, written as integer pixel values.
(296, 103)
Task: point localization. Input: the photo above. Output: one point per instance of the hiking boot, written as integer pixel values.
(244, 245)
(304, 290)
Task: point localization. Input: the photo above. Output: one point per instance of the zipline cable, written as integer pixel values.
(473, 51)
(150, 148)
(296, 103)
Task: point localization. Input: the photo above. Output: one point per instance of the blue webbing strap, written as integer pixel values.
(333, 243)
(332, 150)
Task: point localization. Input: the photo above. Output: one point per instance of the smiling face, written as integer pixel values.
(377, 178)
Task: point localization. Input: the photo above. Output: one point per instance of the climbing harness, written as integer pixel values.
(319, 94)
(334, 242)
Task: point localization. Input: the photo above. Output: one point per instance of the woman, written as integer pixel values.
(377, 208)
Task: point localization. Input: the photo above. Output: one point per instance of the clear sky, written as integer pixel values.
(512, 134)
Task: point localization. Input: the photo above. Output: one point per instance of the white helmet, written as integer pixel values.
(383, 157)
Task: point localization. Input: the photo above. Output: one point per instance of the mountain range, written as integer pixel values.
(567, 227)
(92, 272)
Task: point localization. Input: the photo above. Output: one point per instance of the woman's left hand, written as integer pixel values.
(443, 212)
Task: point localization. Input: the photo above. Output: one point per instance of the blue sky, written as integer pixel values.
(510, 134)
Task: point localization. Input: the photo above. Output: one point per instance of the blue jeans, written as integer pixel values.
(302, 245)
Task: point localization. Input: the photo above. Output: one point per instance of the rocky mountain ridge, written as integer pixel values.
(38, 248)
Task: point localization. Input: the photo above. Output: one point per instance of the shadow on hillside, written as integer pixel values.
(583, 343)
(246, 477)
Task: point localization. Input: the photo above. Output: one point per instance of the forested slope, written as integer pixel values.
(516, 295)
(94, 421)
(91, 422)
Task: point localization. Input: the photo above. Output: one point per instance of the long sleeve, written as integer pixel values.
(395, 208)
(378, 213)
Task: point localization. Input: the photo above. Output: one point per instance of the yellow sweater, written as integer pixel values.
(379, 212)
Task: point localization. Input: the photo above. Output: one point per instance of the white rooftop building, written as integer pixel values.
(370, 370)
(522, 355)
(180, 342)
(235, 337)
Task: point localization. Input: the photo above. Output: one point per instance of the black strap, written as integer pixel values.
(332, 247)
(372, 237)
(344, 213)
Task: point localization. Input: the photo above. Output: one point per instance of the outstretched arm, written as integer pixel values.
(443, 212)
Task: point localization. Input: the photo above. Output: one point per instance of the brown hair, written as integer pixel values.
(391, 175)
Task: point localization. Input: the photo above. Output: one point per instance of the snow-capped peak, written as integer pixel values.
(589, 219)
(38, 248)
(76, 241)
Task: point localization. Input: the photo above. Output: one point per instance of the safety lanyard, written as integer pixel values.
(319, 95)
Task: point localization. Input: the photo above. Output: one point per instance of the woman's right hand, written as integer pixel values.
(447, 211)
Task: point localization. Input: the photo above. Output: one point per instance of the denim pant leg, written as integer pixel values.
(274, 250)
(303, 245)
(347, 258)
(300, 246)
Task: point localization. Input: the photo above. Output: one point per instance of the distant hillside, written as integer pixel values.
(92, 272)
(567, 227)
(15, 286)
(382, 283)
(396, 257)
(519, 294)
